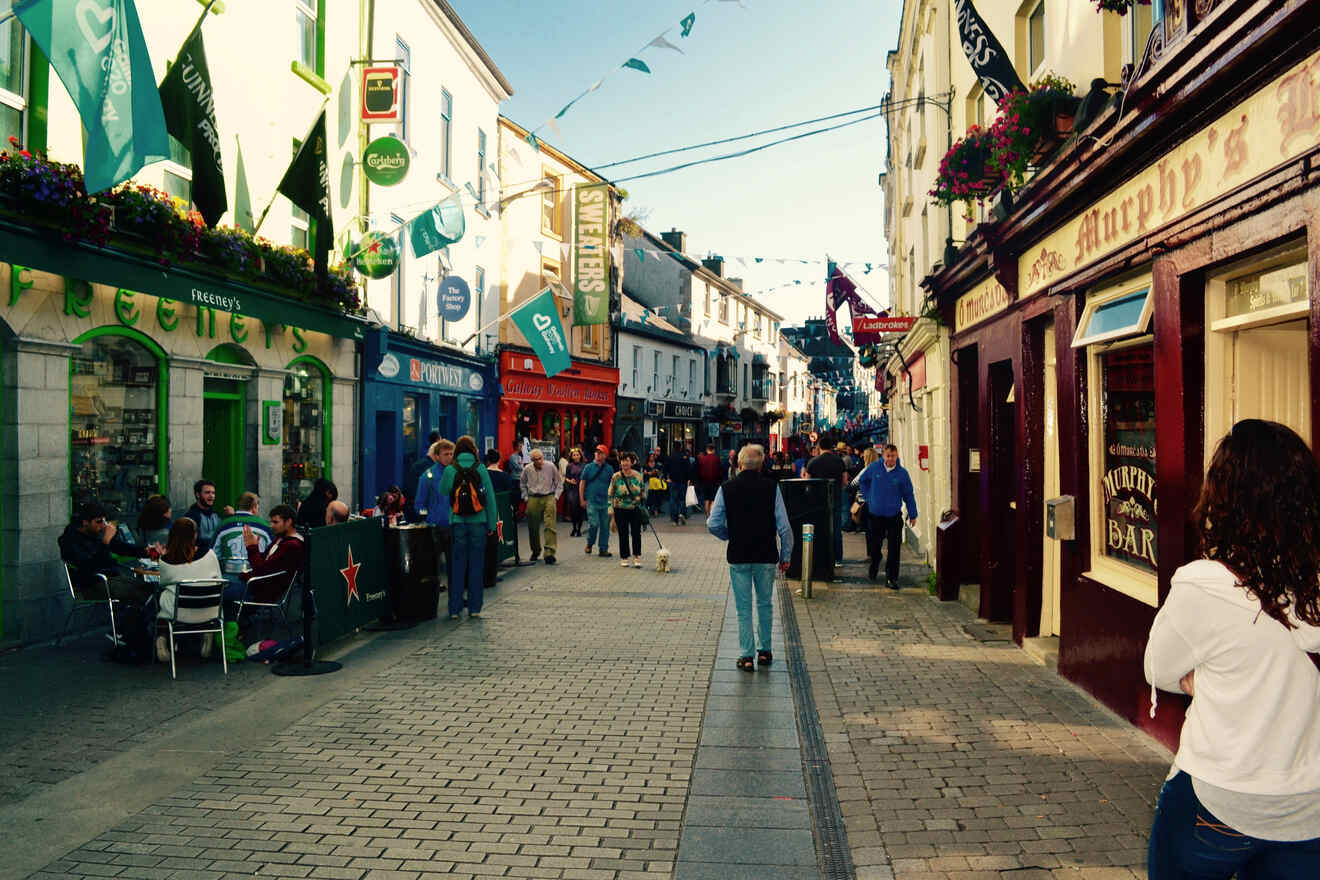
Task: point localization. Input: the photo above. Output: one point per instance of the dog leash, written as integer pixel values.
(651, 523)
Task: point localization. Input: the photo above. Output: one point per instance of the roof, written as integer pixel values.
(696, 267)
(471, 39)
(544, 147)
(634, 311)
(653, 326)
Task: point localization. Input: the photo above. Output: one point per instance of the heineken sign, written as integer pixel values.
(377, 256)
(386, 161)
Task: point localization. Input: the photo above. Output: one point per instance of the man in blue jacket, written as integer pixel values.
(886, 487)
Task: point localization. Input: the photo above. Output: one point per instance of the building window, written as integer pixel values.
(300, 222)
(1036, 37)
(114, 405)
(446, 132)
(305, 24)
(708, 302)
(637, 366)
(552, 218)
(396, 283)
(724, 309)
(481, 167)
(13, 85)
(1141, 22)
(673, 376)
(591, 338)
(692, 377)
(404, 54)
(304, 430)
(479, 289)
(747, 386)
(655, 372)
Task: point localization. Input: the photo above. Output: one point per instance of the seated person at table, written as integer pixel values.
(89, 544)
(311, 512)
(183, 562)
(336, 512)
(153, 523)
(228, 541)
(203, 512)
(284, 556)
(391, 504)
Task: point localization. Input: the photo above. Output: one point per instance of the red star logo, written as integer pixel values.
(350, 577)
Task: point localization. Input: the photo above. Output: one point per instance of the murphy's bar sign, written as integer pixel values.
(1275, 125)
(982, 301)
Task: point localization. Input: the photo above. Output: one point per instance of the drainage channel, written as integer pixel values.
(827, 817)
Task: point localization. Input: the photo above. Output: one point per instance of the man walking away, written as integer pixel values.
(594, 492)
(886, 486)
(829, 466)
(502, 482)
(679, 469)
(708, 474)
(542, 484)
(748, 512)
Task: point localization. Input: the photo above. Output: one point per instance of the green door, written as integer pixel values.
(222, 442)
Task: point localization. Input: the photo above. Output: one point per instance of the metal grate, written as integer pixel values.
(827, 817)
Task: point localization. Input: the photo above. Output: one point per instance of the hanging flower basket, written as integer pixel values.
(1122, 7)
(1028, 128)
(968, 172)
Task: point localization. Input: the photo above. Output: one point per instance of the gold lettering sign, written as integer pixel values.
(985, 299)
(1239, 146)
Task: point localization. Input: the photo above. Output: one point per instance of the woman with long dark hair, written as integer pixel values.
(572, 477)
(627, 495)
(1243, 795)
(181, 562)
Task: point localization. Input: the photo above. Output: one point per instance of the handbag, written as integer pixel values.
(858, 511)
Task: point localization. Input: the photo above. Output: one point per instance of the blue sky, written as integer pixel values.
(743, 69)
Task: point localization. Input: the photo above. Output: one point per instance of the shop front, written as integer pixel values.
(630, 425)
(122, 380)
(678, 423)
(574, 408)
(409, 389)
(1104, 365)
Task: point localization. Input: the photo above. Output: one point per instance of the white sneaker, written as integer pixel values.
(637, 562)
(162, 649)
(208, 644)
(623, 563)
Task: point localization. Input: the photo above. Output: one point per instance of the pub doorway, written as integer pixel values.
(1001, 513)
(1051, 570)
(969, 465)
(223, 430)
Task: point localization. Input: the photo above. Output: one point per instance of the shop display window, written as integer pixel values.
(1114, 330)
(113, 418)
(304, 431)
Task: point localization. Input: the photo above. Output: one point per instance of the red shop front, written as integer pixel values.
(575, 408)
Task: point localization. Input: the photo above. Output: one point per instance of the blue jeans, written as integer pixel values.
(469, 567)
(745, 577)
(1188, 843)
(598, 522)
(677, 500)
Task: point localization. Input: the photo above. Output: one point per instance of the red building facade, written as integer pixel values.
(574, 408)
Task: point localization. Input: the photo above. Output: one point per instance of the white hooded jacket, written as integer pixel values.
(1254, 724)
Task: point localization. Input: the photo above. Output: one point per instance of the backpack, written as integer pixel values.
(465, 498)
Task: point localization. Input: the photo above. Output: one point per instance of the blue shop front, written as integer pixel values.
(411, 388)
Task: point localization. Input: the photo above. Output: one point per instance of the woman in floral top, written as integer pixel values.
(627, 494)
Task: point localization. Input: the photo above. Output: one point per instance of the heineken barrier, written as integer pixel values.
(346, 569)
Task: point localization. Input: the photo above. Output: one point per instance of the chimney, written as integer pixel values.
(714, 264)
(737, 283)
(675, 239)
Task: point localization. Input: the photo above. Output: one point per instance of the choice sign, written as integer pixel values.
(386, 161)
(378, 255)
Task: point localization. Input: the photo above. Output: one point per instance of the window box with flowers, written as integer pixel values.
(1031, 125)
(1121, 7)
(49, 196)
(969, 171)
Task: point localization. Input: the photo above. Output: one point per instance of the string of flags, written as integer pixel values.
(656, 253)
(684, 27)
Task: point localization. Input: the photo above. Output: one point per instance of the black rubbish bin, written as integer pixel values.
(811, 501)
(413, 583)
(492, 560)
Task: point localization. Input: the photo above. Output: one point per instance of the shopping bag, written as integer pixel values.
(691, 499)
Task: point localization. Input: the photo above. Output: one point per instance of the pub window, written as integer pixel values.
(1036, 37)
(552, 219)
(13, 82)
(305, 436)
(1121, 358)
(114, 422)
(305, 27)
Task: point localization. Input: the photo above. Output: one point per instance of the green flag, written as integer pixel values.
(306, 183)
(438, 227)
(591, 253)
(538, 319)
(637, 64)
(98, 52)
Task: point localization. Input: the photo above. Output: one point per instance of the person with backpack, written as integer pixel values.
(472, 518)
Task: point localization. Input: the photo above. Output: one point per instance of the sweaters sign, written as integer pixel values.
(591, 254)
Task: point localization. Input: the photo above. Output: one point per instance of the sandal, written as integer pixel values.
(764, 658)
(746, 664)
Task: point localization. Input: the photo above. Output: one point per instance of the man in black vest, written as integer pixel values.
(748, 512)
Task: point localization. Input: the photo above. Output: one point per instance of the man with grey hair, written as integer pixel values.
(749, 512)
(542, 485)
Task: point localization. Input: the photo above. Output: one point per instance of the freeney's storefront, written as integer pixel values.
(411, 388)
(575, 408)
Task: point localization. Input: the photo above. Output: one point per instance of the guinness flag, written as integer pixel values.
(989, 61)
(307, 185)
(189, 107)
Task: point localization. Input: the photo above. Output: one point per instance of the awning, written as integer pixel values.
(141, 274)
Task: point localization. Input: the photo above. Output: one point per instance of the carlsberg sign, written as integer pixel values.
(386, 161)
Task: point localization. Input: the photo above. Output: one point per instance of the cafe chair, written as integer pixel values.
(205, 599)
(84, 602)
(282, 605)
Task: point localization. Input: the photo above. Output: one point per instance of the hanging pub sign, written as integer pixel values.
(869, 328)
(380, 94)
(385, 161)
(454, 298)
(377, 256)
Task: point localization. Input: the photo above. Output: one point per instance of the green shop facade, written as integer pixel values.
(120, 379)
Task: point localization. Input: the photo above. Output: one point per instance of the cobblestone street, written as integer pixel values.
(585, 727)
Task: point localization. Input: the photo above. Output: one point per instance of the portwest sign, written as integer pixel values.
(386, 160)
(439, 375)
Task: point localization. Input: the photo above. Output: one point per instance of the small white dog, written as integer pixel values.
(662, 560)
